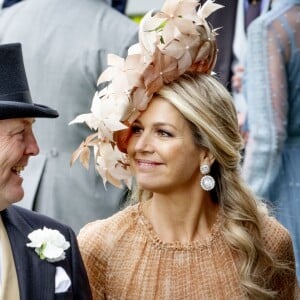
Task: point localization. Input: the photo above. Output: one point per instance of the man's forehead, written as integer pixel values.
(10, 123)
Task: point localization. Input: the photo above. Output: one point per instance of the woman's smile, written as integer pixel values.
(146, 165)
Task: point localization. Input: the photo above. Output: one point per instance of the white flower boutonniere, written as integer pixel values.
(49, 244)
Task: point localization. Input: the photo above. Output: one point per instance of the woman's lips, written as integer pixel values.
(146, 164)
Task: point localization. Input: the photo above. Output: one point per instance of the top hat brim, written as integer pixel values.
(12, 110)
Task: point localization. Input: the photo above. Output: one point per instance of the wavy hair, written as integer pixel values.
(207, 106)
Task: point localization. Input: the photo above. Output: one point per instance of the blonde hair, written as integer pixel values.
(208, 108)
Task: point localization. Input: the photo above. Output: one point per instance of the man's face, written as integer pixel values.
(17, 144)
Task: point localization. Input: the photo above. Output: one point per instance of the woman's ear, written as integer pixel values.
(206, 157)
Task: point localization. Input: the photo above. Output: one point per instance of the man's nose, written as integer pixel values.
(32, 147)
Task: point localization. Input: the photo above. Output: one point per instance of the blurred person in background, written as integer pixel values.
(7, 3)
(224, 19)
(232, 23)
(65, 46)
(120, 5)
(272, 155)
(247, 11)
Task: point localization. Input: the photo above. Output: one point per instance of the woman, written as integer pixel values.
(196, 231)
(272, 156)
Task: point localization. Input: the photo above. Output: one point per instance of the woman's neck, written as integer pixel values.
(181, 218)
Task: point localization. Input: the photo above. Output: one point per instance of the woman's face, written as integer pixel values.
(161, 150)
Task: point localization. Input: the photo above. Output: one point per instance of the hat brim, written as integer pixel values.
(11, 110)
(122, 138)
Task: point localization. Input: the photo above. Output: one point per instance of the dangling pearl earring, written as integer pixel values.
(207, 182)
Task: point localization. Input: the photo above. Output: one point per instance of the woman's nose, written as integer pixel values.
(144, 143)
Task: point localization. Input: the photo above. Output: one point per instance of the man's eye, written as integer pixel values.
(19, 135)
(20, 132)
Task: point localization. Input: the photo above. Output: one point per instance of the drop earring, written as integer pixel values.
(207, 182)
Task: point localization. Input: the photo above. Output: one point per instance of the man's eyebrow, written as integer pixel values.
(28, 121)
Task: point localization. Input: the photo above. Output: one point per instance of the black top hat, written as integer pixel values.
(15, 99)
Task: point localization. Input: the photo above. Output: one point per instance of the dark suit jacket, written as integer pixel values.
(36, 277)
(224, 18)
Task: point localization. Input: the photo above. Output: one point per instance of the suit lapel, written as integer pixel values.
(35, 276)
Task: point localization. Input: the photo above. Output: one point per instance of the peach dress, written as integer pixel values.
(125, 259)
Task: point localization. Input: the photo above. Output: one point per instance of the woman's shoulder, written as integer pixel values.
(116, 221)
(276, 237)
(106, 231)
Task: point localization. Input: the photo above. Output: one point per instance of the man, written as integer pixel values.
(65, 46)
(28, 273)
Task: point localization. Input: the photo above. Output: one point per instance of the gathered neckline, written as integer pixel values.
(204, 242)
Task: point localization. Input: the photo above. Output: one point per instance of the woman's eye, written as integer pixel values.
(164, 133)
(136, 129)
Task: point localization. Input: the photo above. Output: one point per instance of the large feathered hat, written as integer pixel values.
(172, 41)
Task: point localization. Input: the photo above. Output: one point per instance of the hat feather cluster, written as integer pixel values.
(171, 41)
